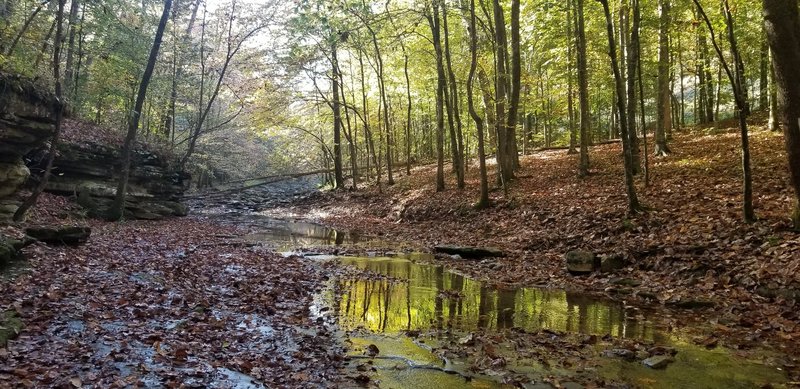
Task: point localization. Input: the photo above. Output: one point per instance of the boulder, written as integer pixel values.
(10, 326)
(469, 252)
(89, 171)
(7, 251)
(66, 235)
(658, 361)
(620, 353)
(26, 122)
(12, 176)
(581, 262)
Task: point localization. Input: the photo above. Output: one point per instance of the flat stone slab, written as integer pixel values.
(469, 252)
(658, 361)
(581, 262)
(65, 235)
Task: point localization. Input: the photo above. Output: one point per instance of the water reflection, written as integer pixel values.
(287, 235)
(430, 297)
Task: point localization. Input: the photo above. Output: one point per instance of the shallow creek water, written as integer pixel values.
(407, 310)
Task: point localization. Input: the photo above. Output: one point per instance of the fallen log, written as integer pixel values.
(469, 252)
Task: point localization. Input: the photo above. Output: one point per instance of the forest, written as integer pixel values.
(399, 194)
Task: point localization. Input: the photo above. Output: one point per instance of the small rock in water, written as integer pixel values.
(621, 353)
(467, 340)
(658, 361)
(372, 350)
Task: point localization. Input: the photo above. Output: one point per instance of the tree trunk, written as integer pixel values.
(516, 87)
(117, 209)
(69, 71)
(433, 20)
(504, 161)
(384, 102)
(488, 107)
(20, 213)
(25, 25)
(736, 78)
(573, 136)
(664, 97)
(583, 90)
(45, 44)
(641, 107)
(633, 61)
(408, 111)
(483, 201)
(774, 121)
(633, 201)
(337, 120)
(348, 133)
(763, 76)
(453, 114)
(783, 31)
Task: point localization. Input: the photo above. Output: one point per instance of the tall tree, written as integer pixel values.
(452, 100)
(773, 123)
(69, 69)
(583, 89)
(25, 25)
(433, 20)
(483, 201)
(118, 207)
(736, 78)
(233, 43)
(504, 159)
(782, 23)
(19, 215)
(632, 64)
(573, 136)
(630, 187)
(337, 116)
(664, 96)
(516, 86)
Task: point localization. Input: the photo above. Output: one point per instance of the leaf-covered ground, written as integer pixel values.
(178, 303)
(690, 246)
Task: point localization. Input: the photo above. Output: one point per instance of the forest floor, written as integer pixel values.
(689, 249)
(174, 303)
(189, 302)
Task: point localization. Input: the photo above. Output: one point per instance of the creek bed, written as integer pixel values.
(410, 323)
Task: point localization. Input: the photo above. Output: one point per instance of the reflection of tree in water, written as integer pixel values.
(388, 306)
(455, 309)
(505, 308)
(438, 310)
(484, 307)
(408, 295)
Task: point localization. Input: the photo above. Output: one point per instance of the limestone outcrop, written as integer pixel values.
(26, 123)
(89, 172)
(83, 168)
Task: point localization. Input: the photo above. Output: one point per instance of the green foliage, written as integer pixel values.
(271, 106)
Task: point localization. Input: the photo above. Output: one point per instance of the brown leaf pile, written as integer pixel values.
(164, 304)
(690, 245)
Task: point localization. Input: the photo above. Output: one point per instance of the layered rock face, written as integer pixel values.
(26, 123)
(89, 171)
(86, 170)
